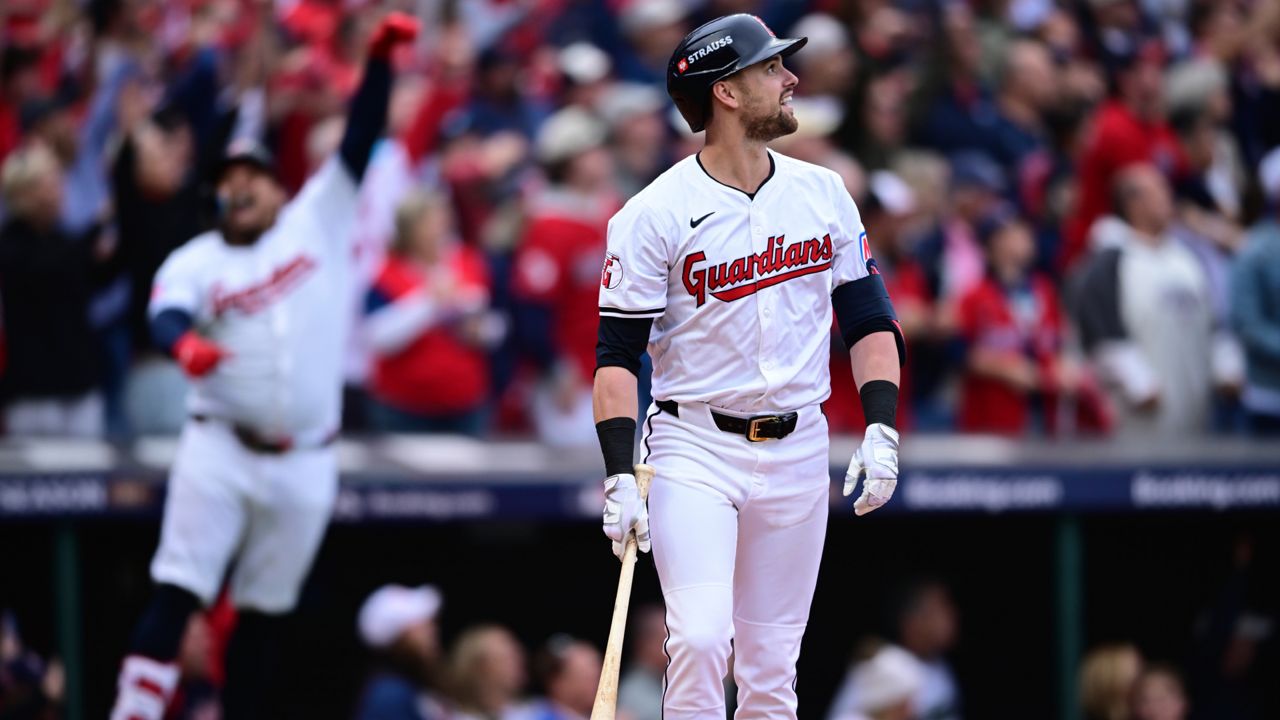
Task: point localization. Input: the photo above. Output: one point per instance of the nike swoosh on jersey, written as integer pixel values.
(695, 223)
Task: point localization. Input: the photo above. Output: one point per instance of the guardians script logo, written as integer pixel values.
(256, 297)
(729, 281)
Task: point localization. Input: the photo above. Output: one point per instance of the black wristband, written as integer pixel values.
(618, 443)
(879, 402)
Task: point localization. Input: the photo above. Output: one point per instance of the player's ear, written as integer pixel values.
(726, 92)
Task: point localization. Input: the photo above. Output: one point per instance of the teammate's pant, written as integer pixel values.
(263, 516)
(225, 502)
(737, 530)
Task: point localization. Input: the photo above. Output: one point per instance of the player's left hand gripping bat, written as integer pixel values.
(606, 704)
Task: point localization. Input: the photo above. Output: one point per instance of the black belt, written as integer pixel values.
(254, 442)
(757, 428)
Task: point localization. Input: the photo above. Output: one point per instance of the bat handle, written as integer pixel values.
(644, 477)
(606, 701)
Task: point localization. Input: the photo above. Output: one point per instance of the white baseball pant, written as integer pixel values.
(737, 530)
(266, 512)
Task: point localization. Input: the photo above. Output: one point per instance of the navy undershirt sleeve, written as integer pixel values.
(621, 341)
(168, 326)
(367, 117)
(863, 307)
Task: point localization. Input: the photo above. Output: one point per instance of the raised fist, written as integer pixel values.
(393, 30)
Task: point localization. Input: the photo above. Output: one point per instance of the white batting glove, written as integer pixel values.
(624, 510)
(877, 461)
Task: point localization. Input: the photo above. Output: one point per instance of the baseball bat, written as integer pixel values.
(606, 704)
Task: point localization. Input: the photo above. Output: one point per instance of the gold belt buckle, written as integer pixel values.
(756, 424)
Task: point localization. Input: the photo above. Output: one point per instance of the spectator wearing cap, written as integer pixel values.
(1129, 128)
(926, 624)
(499, 101)
(585, 71)
(428, 326)
(1255, 306)
(1199, 106)
(828, 64)
(557, 273)
(1209, 202)
(650, 28)
(1145, 314)
(398, 626)
(487, 674)
(914, 680)
(569, 671)
(53, 369)
(883, 686)
(951, 254)
(638, 135)
(1012, 327)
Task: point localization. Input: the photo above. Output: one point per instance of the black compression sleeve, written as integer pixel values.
(863, 307)
(879, 402)
(367, 117)
(621, 341)
(617, 443)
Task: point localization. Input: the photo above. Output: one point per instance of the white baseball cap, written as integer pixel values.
(641, 16)
(584, 63)
(393, 608)
(569, 132)
(889, 677)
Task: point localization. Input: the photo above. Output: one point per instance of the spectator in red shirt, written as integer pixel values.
(1129, 128)
(428, 325)
(557, 273)
(1012, 325)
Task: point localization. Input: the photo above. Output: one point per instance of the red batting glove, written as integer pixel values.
(394, 29)
(197, 356)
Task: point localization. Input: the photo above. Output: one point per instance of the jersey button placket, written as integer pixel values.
(764, 309)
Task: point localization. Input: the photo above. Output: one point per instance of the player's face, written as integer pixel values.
(250, 199)
(766, 112)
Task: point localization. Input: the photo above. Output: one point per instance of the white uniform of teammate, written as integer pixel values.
(278, 308)
(256, 313)
(739, 288)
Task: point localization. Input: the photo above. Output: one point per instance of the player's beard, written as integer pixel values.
(765, 128)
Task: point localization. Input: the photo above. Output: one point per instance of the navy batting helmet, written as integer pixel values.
(247, 151)
(713, 52)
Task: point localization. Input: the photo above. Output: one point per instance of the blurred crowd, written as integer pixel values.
(1223, 667)
(1073, 202)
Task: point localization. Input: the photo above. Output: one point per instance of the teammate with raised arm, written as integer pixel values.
(254, 311)
(728, 266)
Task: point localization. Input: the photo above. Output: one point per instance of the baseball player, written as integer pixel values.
(252, 311)
(728, 265)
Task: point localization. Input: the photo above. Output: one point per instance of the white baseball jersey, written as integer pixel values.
(739, 287)
(279, 307)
